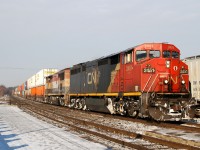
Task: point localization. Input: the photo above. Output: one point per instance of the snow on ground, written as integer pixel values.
(181, 134)
(19, 130)
(4, 99)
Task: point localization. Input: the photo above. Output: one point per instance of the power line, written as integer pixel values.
(11, 68)
(17, 68)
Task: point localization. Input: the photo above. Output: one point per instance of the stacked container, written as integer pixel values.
(36, 83)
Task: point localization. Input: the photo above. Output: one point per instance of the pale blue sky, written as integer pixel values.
(36, 34)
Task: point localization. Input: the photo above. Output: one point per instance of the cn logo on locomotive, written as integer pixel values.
(93, 77)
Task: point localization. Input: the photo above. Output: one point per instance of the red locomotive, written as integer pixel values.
(148, 80)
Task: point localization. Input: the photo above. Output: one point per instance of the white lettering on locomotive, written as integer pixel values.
(175, 68)
(149, 70)
(93, 77)
(184, 71)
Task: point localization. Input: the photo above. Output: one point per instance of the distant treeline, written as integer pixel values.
(4, 90)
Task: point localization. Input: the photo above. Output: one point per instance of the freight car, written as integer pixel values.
(34, 88)
(194, 75)
(148, 80)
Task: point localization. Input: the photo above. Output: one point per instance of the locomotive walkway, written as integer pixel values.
(19, 130)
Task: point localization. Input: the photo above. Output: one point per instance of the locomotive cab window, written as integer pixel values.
(154, 54)
(62, 76)
(141, 54)
(128, 57)
(175, 54)
(75, 71)
(102, 62)
(114, 60)
(166, 54)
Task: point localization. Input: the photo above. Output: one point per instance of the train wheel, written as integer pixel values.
(133, 113)
(83, 104)
(157, 113)
(77, 101)
(194, 111)
(61, 101)
(47, 100)
(80, 104)
(72, 103)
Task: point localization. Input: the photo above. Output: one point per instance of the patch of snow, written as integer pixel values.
(19, 130)
(182, 134)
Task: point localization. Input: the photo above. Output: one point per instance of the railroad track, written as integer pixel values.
(120, 136)
(187, 127)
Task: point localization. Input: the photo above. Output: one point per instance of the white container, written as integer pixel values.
(31, 82)
(194, 75)
(40, 77)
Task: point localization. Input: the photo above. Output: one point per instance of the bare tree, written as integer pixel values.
(4, 90)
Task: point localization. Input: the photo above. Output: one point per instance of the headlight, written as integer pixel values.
(166, 81)
(167, 63)
(183, 82)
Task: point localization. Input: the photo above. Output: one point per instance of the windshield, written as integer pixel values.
(166, 54)
(141, 54)
(169, 54)
(175, 54)
(154, 53)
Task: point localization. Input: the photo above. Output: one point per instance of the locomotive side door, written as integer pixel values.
(128, 71)
(121, 76)
(83, 79)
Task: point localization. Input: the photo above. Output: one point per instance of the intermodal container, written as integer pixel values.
(40, 77)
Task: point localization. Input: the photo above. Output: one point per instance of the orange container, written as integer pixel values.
(22, 87)
(40, 90)
(37, 91)
(33, 91)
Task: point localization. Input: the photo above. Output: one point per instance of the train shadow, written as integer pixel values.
(8, 140)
